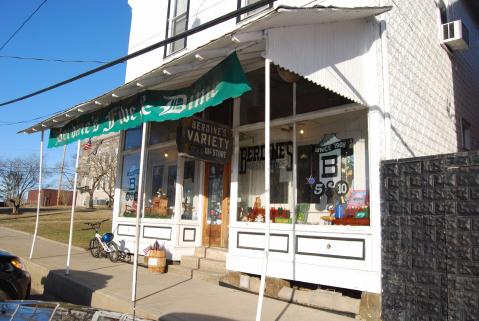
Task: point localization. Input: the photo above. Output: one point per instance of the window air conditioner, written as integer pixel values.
(455, 36)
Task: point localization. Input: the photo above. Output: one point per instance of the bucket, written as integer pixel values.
(156, 261)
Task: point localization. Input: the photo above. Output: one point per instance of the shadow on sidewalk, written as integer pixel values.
(191, 316)
(77, 288)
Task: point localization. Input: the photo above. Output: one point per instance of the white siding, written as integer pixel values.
(427, 94)
(338, 56)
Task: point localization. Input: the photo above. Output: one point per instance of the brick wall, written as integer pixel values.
(430, 232)
(430, 90)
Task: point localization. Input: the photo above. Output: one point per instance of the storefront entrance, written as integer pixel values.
(216, 206)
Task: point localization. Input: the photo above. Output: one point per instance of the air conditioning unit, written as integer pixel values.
(455, 36)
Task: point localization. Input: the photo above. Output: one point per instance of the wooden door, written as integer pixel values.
(216, 205)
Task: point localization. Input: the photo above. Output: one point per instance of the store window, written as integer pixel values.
(132, 138)
(331, 171)
(466, 134)
(251, 189)
(160, 181)
(189, 201)
(243, 3)
(177, 23)
(162, 132)
(129, 185)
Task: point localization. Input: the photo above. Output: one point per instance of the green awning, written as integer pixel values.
(225, 80)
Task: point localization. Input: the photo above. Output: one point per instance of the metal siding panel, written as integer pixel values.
(332, 55)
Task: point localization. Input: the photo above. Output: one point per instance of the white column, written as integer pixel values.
(139, 206)
(67, 272)
(178, 198)
(374, 159)
(234, 171)
(295, 162)
(266, 186)
(39, 197)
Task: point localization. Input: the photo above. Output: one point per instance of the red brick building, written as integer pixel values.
(49, 197)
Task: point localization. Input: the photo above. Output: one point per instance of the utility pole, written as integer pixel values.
(59, 191)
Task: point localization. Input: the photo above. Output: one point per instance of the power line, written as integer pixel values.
(154, 46)
(53, 60)
(26, 121)
(23, 24)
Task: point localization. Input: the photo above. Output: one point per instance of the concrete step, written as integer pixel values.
(192, 262)
(207, 276)
(215, 266)
(200, 251)
(180, 270)
(216, 253)
(323, 299)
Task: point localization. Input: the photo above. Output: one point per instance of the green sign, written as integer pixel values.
(226, 80)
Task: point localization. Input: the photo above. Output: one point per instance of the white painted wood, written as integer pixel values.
(158, 232)
(125, 230)
(256, 241)
(189, 235)
(330, 247)
(375, 122)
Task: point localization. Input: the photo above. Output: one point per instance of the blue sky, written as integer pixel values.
(71, 30)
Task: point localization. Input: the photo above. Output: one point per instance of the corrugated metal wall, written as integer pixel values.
(338, 56)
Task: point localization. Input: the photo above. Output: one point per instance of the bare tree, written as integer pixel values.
(109, 181)
(98, 168)
(17, 177)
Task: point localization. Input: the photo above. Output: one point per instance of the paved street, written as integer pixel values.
(165, 296)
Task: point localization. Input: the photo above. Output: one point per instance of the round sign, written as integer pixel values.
(341, 188)
(318, 189)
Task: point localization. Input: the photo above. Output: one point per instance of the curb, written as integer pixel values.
(54, 284)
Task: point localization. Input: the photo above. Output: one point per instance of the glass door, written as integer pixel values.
(216, 205)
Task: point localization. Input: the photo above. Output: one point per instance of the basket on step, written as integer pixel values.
(156, 261)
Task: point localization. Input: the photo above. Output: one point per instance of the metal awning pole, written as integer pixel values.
(67, 272)
(266, 185)
(39, 197)
(139, 206)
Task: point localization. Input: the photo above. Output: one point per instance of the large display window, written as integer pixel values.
(251, 189)
(331, 172)
(160, 188)
(130, 172)
(190, 198)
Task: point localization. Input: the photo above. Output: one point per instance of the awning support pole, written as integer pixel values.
(39, 197)
(139, 206)
(266, 186)
(70, 238)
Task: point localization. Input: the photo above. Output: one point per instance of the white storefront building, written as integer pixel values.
(341, 99)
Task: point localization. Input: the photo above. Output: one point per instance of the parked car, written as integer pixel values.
(54, 311)
(15, 280)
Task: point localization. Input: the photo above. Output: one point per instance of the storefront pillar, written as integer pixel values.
(374, 156)
(39, 196)
(267, 174)
(179, 197)
(138, 210)
(72, 217)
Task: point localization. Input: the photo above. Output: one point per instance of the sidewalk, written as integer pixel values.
(167, 297)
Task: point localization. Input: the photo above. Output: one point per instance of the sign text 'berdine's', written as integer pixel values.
(204, 140)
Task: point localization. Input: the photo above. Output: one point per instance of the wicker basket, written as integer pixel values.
(156, 261)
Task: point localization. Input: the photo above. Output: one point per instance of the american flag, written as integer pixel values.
(87, 145)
